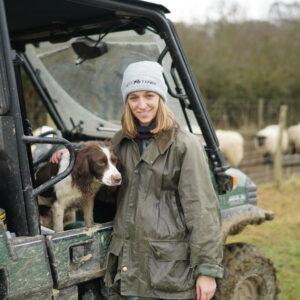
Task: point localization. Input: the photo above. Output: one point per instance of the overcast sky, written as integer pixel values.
(202, 10)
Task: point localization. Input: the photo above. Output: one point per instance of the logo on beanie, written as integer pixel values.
(138, 81)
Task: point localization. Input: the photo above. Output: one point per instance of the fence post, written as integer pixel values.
(260, 113)
(278, 152)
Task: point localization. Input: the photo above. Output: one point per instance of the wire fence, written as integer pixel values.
(262, 171)
(251, 113)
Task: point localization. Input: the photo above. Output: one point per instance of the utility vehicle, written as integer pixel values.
(69, 56)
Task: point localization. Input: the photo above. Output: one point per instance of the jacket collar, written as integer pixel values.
(119, 137)
(166, 138)
(163, 139)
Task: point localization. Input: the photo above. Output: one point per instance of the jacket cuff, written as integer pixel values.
(209, 269)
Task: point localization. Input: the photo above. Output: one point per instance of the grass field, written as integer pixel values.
(280, 238)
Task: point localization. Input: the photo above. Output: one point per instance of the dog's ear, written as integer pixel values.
(81, 175)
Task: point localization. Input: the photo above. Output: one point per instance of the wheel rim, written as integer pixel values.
(249, 288)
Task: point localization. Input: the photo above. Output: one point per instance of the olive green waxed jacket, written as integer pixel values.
(167, 227)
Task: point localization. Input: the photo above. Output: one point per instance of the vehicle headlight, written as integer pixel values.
(251, 191)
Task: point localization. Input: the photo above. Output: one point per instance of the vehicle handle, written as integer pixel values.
(47, 140)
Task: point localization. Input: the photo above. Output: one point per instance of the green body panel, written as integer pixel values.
(20, 274)
(78, 255)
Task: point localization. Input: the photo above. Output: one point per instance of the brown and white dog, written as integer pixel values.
(95, 164)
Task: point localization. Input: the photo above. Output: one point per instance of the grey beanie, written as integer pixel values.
(144, 76)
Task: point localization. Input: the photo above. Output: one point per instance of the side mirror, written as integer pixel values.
(226, 182)
(87, 48)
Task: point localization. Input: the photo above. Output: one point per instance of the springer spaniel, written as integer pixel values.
(95, 164)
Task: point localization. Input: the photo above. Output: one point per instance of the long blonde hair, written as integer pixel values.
(165, 119)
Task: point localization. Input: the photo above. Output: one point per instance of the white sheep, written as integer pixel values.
(294, 138)
(267, 140)
(231, 145)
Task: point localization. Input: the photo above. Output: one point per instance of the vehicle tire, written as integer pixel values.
(250, 275)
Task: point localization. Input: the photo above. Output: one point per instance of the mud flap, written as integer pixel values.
(235, 219)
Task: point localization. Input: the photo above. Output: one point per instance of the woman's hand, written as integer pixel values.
(205, 287)
(56, 156)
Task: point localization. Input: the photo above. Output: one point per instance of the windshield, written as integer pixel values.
(87, 95)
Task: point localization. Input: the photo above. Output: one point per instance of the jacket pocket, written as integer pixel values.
(112, 256)
(169, 268)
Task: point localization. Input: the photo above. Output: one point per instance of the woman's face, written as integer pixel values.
(144, 106)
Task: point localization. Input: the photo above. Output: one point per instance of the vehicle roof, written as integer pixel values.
(40, 20)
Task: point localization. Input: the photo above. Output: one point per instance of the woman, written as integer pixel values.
(166, 240)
